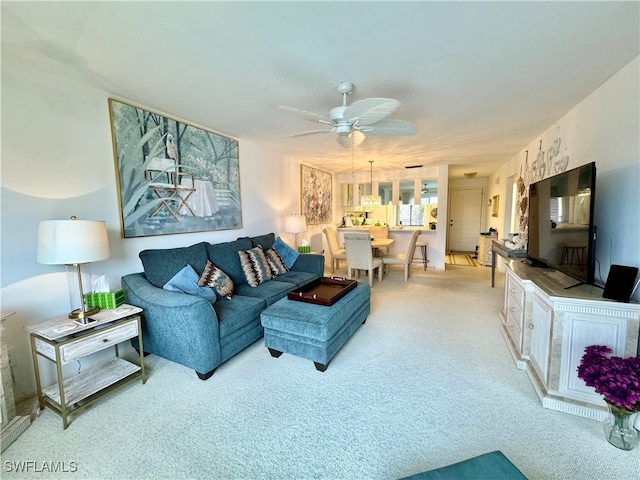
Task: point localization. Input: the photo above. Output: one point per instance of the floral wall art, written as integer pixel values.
(173, 177)
(315, 193)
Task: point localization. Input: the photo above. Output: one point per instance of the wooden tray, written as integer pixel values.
(323, 291)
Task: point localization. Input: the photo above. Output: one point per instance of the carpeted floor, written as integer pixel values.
(427, 381)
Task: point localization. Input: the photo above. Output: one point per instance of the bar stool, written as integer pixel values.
(571, 253)
(422, 243)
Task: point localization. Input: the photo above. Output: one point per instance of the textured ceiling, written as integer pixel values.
(479, 80)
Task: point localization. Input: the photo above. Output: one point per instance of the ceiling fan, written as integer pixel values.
(352, 123)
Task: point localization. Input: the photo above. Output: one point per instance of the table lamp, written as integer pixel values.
(295, 224)
(73, 243)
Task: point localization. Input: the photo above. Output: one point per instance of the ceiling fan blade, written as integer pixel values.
(391, 128)
(314, 117)
(311, 132)
(370, 110)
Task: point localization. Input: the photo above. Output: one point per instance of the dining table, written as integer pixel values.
(377, 243)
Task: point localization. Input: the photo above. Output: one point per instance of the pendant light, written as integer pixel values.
(370, 201)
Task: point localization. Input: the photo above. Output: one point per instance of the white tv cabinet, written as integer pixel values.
(547, 328)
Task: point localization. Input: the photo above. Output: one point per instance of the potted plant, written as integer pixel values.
(618, 381)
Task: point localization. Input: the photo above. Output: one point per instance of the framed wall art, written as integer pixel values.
(495, 205)
(173, 177)
(315, 195)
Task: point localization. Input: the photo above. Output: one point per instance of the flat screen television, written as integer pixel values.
(561, 230)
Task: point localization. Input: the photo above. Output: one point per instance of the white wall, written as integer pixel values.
(603, 128)
(57, 161)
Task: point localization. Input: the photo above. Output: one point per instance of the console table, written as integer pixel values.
(547, 327)
(498, 248)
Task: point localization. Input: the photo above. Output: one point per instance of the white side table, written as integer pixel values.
(62, 341)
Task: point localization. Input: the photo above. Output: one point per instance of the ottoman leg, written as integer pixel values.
(320, 366)
(275, 353)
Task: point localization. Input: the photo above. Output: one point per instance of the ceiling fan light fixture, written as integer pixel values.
(343, 129)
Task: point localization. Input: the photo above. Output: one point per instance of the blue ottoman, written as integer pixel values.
(314, 332)
(490, 466)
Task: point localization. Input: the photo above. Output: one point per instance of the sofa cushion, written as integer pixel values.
(270, 291)
(296, 277)
(275, 261)
(265, 241)
(160, 265)
(288, 254)
(237, 313)
(186, 281)
(215, 278)
(225, 257)
(255, 266)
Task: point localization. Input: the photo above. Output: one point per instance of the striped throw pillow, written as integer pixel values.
(255, 266)
(215, 278)
(275, 261)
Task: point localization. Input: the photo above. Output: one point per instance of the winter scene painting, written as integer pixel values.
(173, 177)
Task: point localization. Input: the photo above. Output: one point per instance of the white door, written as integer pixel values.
(465, 219)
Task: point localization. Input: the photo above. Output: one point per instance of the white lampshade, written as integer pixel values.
(295, 224)
(71, 242)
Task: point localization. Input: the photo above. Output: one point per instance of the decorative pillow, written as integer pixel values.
(218, 280)
(288, 254)
(276, 263)
(255, 266)
(186, 281)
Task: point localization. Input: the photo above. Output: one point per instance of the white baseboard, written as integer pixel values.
(13, 430)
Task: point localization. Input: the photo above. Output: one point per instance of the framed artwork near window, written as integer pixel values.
(315, 195)
(172, 177)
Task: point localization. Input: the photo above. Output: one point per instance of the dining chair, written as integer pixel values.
(380, 232)
(403, 258)
(335, 252)
(360, 255)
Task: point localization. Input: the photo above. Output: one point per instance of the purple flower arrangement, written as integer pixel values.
(616, 379)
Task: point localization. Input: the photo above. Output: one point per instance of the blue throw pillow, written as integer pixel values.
(288, 254)
(186, 281)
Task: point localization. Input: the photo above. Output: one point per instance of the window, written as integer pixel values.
(411, 215)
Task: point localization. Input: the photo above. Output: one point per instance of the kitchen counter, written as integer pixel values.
(400, 236)
(425, 230)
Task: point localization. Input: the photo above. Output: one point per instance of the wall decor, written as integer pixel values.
(172, 177)
(315, 195)
(495, 204)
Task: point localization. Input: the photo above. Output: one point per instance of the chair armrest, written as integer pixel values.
(180, 327)
(309, 262)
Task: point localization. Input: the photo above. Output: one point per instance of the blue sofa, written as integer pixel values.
(189, 329)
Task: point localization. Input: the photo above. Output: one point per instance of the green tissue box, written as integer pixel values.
(106, 300)
(305, 249)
